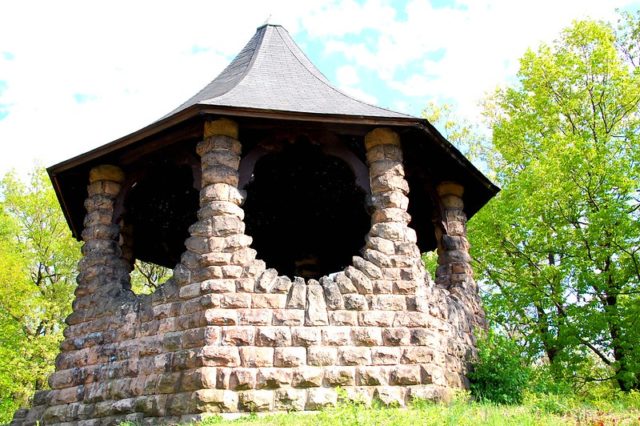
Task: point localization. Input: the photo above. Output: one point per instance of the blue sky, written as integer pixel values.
(78, 74)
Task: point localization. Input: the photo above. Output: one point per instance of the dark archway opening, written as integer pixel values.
(160, 208)
(305, 212)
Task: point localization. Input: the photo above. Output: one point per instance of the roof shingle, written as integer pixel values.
(272, 73)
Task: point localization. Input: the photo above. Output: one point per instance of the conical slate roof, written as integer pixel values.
(272, 73)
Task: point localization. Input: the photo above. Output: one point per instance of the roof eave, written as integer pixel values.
(200, 109)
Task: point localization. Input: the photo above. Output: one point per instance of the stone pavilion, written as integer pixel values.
(294, 218)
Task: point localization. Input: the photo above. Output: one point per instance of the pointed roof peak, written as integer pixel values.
(272, 73)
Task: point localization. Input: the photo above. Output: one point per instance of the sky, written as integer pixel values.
(75, 75)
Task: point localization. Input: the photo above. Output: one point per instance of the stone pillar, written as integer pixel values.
(211, 274)
(454, 271)
(391, 244)
(103, 274)
(217, 249)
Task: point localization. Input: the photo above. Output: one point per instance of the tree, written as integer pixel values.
(558, 249)
(38, 259)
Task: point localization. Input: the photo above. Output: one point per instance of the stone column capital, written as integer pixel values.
(221, 127)
(381, 136)
(106, 172)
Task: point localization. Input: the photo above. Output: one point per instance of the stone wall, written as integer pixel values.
(226, 334)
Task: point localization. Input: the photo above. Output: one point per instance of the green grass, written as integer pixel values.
(537, 410)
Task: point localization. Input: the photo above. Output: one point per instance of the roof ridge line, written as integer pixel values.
(328, 82)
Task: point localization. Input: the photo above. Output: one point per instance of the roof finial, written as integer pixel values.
(266, 21)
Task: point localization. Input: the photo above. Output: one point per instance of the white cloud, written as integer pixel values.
(136, 60)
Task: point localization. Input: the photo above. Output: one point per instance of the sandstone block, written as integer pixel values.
(267, 280)
(367, 336)
(282, 285)
(297, 296)
(336, 336)
(254, 316)
(359, 280)
(216, 400)
(322, 355)
(371, 376)
(376, 318)
(224, 356)
(268, 301)
(369, 269)
(290, 399)
(417, 355)
(339, 376)
(273, 336)
(411, 319)
(404, 375)
(396, 336)
(242, 378)
(291, 317)
(355, 302)
(235, 300)
(385, 356)
(307, 377)
(238, 336)
(305, 336)
(256, 356)
(354, 355)
(344, 283)
(290, 357)
(255, 400)
(221, 317)
(316, 309)
(391, 395)
(332, 294)
(272, 378)
(319, 398)
(343, 317)
(389, 302)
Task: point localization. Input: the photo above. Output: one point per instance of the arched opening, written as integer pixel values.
(159, 208)
(305, 212)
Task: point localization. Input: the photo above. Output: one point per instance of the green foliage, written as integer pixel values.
(146, 277)
(558, 250)
(500, 374)
(38, 260)
(459, 412)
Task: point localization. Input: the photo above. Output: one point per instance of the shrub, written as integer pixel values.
(500, 374)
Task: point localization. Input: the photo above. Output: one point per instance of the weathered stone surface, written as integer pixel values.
(316, 309)
(255, 400)
(322, 355)
(305, 336)
(359, 280)
(391, 395)
(290, 399)
(273, 336)
(385, 355)
(332, 294)
(290, 357)
(354, 355)
(405, 375)
(256, 356)
(297, 296)
(319, 398)
(339, 376)
(307, 377)
(371, 376)
(272, 378)
(266, 280)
